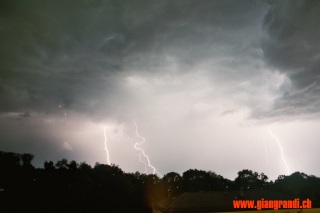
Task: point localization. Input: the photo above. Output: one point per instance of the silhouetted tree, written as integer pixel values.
(84, 166)
(9, 160)
(248, 179)
(199, 180)
(26, 160)
(69, 187)
(173, 182)
(73, 165)
(62, 164)
(49, 166)
(297, 184)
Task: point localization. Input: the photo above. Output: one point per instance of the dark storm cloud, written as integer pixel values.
(76, 53)
(50, 54)
(292, 46)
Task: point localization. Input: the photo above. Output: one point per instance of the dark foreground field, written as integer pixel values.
(77, 187)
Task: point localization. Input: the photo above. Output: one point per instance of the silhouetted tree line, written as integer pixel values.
(78, 187)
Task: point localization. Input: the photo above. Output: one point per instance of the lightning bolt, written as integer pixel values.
(143, 140)
(281, 150)
(105, 145)
(144, 163)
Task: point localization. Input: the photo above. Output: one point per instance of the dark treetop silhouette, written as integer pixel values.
(77, 187)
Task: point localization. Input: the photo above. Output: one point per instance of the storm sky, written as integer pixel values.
(208, 83)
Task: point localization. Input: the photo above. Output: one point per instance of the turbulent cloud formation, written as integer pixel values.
(189, 72)
(291, 45)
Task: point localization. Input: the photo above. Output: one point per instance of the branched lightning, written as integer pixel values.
(143, 140)
(105, 145)
(281, 150)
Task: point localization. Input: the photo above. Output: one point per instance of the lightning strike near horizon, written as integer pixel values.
(281, 150)
(143, 140)
(144, 163)
(105, 145)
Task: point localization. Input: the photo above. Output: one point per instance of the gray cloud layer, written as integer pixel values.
(77, 52)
